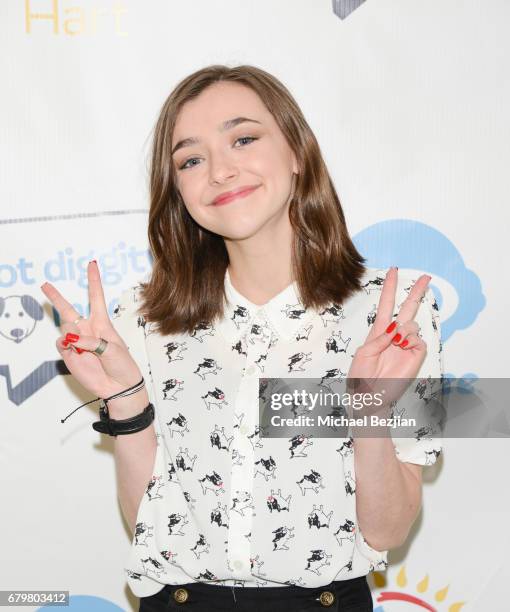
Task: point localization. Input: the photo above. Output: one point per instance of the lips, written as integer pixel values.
(228, 196)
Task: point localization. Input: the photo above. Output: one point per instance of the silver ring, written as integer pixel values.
(101, 347)
(75, 322)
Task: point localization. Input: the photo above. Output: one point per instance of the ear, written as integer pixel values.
(295, 168)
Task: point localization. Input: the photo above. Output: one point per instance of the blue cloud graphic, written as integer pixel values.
(412, 244)
(85, 603)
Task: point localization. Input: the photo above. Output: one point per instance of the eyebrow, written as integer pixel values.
(226, 125)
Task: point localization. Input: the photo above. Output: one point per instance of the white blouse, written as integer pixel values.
(225, 505)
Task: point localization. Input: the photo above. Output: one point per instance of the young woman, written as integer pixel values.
(255, 278)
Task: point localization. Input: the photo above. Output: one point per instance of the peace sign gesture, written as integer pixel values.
(108, 373)
(393, 349)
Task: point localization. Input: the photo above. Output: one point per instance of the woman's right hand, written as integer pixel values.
(102, 375)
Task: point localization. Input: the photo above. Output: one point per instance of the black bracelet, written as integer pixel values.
(115, 427)
(124, 426)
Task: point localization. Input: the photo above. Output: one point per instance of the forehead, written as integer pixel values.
(217, 103)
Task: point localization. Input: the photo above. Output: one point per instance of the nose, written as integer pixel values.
(221, 169)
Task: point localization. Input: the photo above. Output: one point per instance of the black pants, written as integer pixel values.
(348, 596)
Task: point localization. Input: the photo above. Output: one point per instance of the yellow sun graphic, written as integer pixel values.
(414, 600)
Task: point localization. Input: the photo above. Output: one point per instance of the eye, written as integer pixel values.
(185, 165)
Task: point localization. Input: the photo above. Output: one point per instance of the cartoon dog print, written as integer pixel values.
(219, 439)
(347, 447)
(313, 481)
(169, 556)
(297, 361)
(175, 347)
(350, 484)
(276, 501)
(212, 482)
(176, 522)
(142, 533)
(318, 518)
(282, 535)
(268, 468)
(304, 334)
(337, 343)
(178, 425)
(301, 442)
(375, 283)
(259, 333)
(330, 378)
(153, 488)
(254, 438)
(183, 461)
(152, 566)
(319, 559)
(201, 330)
(207, 366)
(219, 515)
(332, 314)
(214, 398)
(240, 316)
(240, 347)
(237, 458)
(345, 532)
(201, 546)
(174, 385)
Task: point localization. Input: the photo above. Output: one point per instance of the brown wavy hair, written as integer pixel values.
(186, 285)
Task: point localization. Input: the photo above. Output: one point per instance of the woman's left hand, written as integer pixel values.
(382, 358)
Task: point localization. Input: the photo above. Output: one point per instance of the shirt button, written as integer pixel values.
(243, 429)
(238, 564)
(250, 370)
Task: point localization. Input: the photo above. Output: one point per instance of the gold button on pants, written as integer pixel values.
(327, 598)
(181, 595)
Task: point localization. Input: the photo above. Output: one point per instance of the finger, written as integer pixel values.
(386, 304)
(412, 341)
(96, 294)
(66, 311)
(401, 332)
(410, 305)
(379, 343)
(85, 343)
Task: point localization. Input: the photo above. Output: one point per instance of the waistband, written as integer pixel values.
(201, 589)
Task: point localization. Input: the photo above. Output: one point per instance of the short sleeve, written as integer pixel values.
(131, 328)
(422, 444)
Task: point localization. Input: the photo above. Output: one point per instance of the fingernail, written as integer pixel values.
(65, 343)
(93, 261)
(391, 327)
(79, 350)
(397, 338)
(72, 337)
(405, 343)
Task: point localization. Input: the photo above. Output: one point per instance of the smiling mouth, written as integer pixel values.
(241, 194)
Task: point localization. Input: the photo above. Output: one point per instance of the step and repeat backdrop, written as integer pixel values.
(408, 100)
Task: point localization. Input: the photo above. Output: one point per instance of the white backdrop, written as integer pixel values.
(408, 100)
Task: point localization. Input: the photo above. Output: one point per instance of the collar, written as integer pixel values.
(284, 313)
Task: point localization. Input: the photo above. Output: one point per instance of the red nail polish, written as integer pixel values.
(391, 327)
(79, 350)
(405, 343)
(397, 338)
(72, 337)
(65, 343)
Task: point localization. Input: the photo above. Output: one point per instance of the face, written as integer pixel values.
(226, 158)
